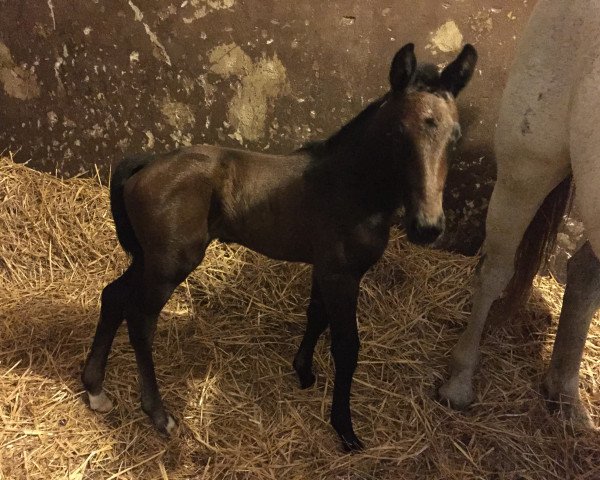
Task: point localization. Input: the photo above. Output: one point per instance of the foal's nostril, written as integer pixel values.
(430, 233)
(426, 232)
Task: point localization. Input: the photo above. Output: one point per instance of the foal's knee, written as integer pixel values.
(345, 349)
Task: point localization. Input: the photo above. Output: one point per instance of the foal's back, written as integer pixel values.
(250, 198)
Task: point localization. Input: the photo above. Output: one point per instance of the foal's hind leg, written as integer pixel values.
(113, 300)
(515, 200)
(163, 272)
(317, 322)
(580, 302)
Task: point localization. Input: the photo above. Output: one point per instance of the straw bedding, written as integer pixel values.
(223, 355)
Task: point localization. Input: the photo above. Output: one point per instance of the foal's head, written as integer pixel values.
(420, 115)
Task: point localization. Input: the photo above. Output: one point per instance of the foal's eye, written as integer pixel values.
(430, 122)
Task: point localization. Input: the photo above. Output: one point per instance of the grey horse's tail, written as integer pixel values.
(537, 245)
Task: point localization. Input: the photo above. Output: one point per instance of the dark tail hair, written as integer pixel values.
(537, 245)
(125, 233)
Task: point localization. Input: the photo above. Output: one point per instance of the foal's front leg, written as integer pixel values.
(340, 294)
(316, 324)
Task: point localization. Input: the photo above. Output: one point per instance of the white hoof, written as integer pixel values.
(458, 395)
(170, 424)
(100, 403)
(581, 419)
(562, 396)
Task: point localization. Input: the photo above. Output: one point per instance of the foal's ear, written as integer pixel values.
(403, 67)
(456, 75)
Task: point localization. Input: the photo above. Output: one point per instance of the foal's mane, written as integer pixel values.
(426, 78)
(345, 136)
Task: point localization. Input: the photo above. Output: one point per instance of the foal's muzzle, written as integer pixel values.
(423, 231)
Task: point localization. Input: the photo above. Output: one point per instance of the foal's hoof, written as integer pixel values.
(165, 424)
(456, 395)
(100, 403)
(351, 443)
(305, 375)
(306, 380)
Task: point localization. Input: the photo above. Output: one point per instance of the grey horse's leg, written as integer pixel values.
(580, 303)
(513, 204)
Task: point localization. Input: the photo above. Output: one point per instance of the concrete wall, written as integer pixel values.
(85, 82)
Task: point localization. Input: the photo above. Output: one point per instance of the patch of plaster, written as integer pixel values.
(229, 59)
(188, 84)
(17, 82)
(52, 118)
(447, 38)
(259, 83)
(177, 114)
(159, 51)
(150, 143)
(201, 8)
(217, 4)
(168, 11)
(96, 131)
(481, 22)
(51, 7)
(209, 90)
(181, 117)
(60, 87)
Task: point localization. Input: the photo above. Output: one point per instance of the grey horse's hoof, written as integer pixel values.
(457, 395)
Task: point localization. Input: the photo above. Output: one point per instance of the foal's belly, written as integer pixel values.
(279, 242)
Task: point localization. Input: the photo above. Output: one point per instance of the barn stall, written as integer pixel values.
(93, 81)
(223, 355)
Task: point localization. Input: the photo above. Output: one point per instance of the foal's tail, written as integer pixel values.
(537, 244)
(125, 233)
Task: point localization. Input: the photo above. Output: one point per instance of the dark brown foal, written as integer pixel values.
(329, 204)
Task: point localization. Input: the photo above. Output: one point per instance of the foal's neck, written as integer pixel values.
(359, 164)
